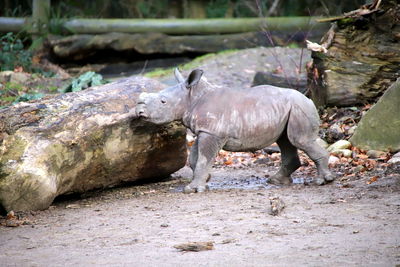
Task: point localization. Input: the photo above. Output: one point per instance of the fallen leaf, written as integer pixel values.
(195, 246)
(373, 179)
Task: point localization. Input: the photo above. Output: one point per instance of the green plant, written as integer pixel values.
(12, 53)
(152, 8)
(28, 97)
(84, 81)
(217, 8)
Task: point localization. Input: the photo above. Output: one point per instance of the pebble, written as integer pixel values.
(395, 158)
(347, 153)
(373, 154)
(333, 160)
(341, 144)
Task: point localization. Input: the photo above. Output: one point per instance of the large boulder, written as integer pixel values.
(80, 141)
(379, 128)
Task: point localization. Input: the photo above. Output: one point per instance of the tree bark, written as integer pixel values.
(363, 57)
(80, 141)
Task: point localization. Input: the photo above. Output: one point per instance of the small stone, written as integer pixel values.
(395, 158)
(272, 149)
(334, 133)
(262, 161)
(373, 154)
(12, 223)
(347, 153)
(277, 205)
(341, 144)
(359, 168)
(333, 160)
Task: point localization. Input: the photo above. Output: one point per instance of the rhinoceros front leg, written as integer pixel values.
(207, 147)
(290, 161)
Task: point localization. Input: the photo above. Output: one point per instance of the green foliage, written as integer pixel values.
(152, 8)
(28, 97)
(217, 8)
(12, 53)
(84, 81)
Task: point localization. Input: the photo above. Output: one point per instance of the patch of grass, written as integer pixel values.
(160, 72)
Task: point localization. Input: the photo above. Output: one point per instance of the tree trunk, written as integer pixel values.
(363, 57)
(80, 141)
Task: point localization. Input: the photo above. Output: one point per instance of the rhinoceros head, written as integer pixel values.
(169, 104)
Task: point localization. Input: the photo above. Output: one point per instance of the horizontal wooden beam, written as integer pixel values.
(175, 26)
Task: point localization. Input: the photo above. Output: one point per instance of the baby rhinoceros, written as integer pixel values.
(238, 120)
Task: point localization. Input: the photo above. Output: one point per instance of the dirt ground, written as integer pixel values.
(351, 222)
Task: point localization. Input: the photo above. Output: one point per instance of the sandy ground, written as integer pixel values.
(351, 222)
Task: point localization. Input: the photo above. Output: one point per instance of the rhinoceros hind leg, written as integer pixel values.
(319, 155)
(290, 161)
(207, 148)
(302, 131)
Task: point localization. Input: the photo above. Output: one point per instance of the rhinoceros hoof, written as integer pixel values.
(319, 181)
(280, 180)
(195, 189)
(329, 177)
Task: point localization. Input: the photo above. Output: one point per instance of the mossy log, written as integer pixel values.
(80, 141)
(362, 61)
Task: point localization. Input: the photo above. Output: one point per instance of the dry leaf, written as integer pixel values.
(373, 179)
(195, 246)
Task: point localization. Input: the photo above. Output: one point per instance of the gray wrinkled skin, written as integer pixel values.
(238, 120)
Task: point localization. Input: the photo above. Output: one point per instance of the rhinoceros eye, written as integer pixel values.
(163, 101)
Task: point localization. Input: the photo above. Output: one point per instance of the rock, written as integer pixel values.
(262, 161)
(333, 160)
(14, 77)
(341, 144)
(285, 80)
(322, 143)
(334, 133)
(379, 128)
(277, 205)
(395, 158)
(77, 142)
(374, 154)
(347, 153)
(272, 149)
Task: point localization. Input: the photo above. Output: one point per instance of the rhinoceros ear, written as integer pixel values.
(194, 78)
(178, 76)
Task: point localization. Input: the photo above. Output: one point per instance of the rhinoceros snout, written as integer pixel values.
(141, 110)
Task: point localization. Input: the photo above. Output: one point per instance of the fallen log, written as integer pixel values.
(362, 59)
(84, 46)
(75, 142)
(296, 81)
